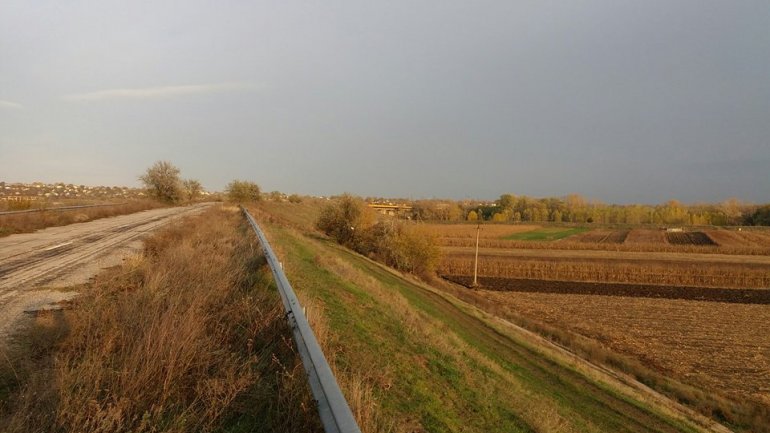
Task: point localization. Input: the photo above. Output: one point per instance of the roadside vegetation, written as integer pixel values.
(189, 336)
(163, 185)
(397, 243)
(243, 191)
(31, 221)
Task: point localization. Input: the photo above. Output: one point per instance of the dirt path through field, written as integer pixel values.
(34, 265)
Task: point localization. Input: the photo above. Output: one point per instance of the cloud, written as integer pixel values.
(157, 92)
(10, 105)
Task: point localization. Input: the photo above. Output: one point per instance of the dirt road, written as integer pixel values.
(33, 265)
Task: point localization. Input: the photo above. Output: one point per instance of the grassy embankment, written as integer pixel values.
(31, 221)
(190, 336)
(433, 363)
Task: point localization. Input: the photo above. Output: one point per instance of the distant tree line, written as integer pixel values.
(576, 209)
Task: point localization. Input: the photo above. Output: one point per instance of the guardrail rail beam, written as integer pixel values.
(333, 409)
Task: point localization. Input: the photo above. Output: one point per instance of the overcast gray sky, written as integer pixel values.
(624, 101)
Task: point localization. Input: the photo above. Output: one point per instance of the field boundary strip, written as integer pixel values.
(333, 408)
(15, 212)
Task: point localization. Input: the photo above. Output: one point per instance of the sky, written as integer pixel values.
(621, 101)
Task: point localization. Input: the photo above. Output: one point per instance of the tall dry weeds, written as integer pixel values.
(29, 222)
(188, 337)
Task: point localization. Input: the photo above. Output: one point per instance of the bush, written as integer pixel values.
(399, 245)
(395, 243)
(192, 189)
(345, 218)
(241, 191)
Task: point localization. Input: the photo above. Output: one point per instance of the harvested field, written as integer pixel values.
(758, 237)
(547, 234)
(645, 236)
(689, 238)
(468, 231)
(598, 236)
(712, 345)
(649, 272)
(707, 294)
(729, 238)
(570, 245)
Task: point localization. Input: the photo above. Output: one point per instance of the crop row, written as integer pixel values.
(689, 238)
(606, 246)
(608, 272)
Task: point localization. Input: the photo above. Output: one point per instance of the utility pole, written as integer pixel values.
(476, 262)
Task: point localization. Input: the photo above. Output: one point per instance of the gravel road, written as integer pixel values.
(34, 265)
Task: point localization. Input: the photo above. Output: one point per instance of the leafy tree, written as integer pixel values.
(473, 216)
(242, 191)
(294, 198)
(162, 182)
(506, 202)
(761, 217)
(192, 188)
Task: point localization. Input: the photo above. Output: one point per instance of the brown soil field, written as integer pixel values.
(573, 243)
(468, 231)
(661, 256)
(729, 238)
(659, 270)
(712, 345)
(706, 294)
(643, 236)
(689, 238)
(760, 238)
(608, 236)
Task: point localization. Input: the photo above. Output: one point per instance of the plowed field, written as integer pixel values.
(607, 236)
(651, 236)
(707, 294)
(689, 238)
(712, 345)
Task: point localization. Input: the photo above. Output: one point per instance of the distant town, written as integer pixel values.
(51, 191)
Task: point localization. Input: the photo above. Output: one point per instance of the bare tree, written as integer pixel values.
(192, 188)
(163, 182)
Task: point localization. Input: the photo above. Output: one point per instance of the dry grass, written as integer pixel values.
(188, 337)
(29, 222)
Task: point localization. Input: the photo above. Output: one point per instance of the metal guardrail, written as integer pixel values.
(14, 212)
(333, 409)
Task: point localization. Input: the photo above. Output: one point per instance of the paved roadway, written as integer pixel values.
(31, 264)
